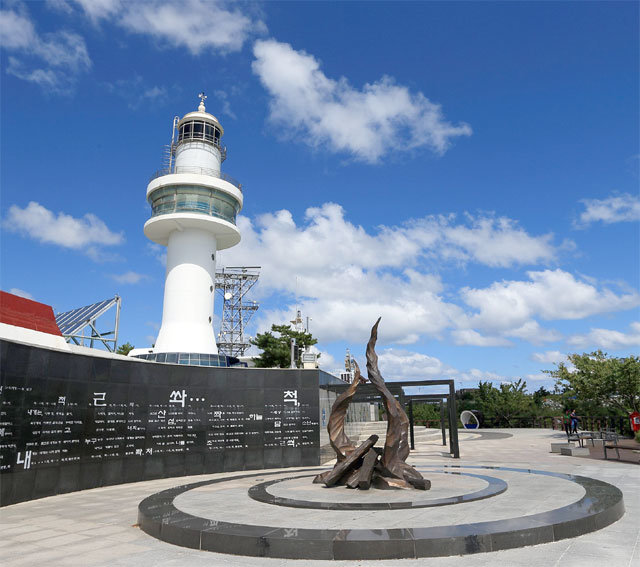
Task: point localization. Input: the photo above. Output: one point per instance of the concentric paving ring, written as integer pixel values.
(494, 487)
(601, 505)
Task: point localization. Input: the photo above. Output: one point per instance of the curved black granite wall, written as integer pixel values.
(70, 422)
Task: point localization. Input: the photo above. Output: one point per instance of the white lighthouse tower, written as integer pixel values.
(194, 207)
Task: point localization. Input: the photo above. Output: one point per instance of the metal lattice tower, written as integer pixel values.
(234, 283)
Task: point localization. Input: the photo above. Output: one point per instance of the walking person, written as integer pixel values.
(574, 422)
(566, 422)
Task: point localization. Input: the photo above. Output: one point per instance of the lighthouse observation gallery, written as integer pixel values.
(194, 207)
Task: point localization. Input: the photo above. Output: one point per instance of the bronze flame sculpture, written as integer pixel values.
(366, 465)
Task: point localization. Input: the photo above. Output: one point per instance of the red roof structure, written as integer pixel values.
(26, 313)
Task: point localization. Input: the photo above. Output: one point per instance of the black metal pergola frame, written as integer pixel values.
(367, 393)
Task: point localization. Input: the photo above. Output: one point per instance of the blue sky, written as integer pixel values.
(469, 171)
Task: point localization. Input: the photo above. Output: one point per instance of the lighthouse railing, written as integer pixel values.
(198, 171)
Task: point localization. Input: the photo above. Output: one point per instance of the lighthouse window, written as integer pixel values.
(194, 199)
(203, 205)
(200, 190)
(182, 203)
(199, 131)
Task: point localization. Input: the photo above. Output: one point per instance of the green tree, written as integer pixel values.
(539, 395)
(468, 400)
(425, 412)
(125, 349)
(276, 346)
(506, 402)
(599, 381)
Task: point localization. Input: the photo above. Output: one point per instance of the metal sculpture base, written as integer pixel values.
(366, 465)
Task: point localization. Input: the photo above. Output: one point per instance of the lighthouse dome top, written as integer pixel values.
(201, 114)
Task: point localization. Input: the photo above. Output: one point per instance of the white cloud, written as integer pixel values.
(88, 234)
(53, 61)
(504, 307)
(137, 93)
(158, 252)
(408, 365)
(155, 93)
(62, 6)
(326, 361)
(532, 332)
(99, 9)
(399, 364)
(381, 117)
(549, 357)
(538, 377)
(343, 276)
(475, 375)
(16, 29)
(222, 101)
(617, 208)
(345, 281)
(20, 293)
(129, 277)
(497, 242)
(490, 241)
(198, 25)
(346, 277)
(474, 338)
(608, 338)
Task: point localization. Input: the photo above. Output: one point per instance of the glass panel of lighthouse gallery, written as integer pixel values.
(194, 199)
(185, 131)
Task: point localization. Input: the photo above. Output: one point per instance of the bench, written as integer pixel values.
(571, 438)
(587, 436)
(581, 437)
(617, 448)
(593, 436)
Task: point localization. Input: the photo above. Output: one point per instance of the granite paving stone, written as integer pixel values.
(17, 550)
(64, 540)
(31, 535)
(38, 556)
(116, 507)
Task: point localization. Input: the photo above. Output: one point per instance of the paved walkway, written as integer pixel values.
(97, 527)
(597, 452)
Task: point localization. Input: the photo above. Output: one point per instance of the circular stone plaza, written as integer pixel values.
(507, 501)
